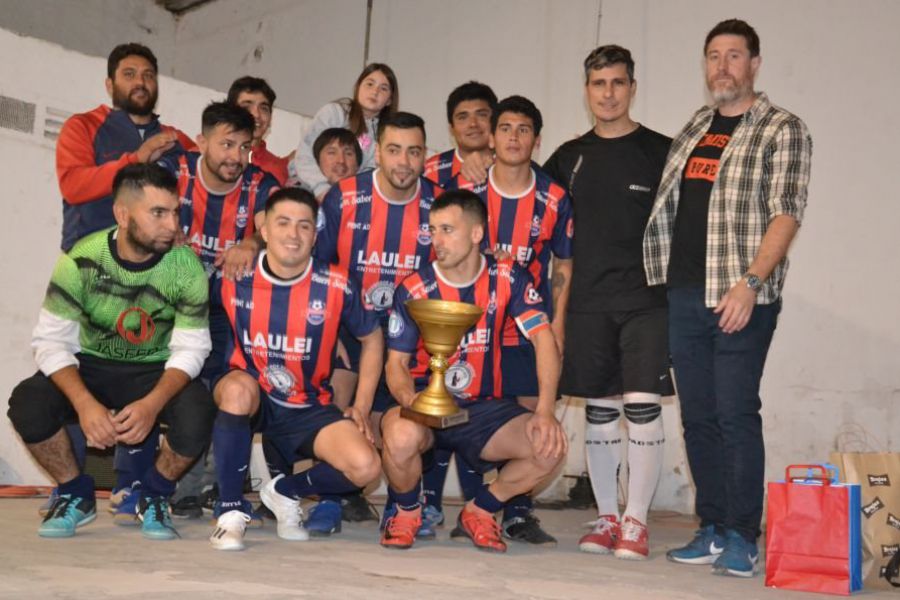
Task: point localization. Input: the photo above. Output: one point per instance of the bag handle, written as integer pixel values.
(821, 473)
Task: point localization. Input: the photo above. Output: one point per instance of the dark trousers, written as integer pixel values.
(717, 376)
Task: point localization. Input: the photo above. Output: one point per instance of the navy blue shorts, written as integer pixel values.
(486, 417)
(383, 399)
(292, 431)
(519, 370)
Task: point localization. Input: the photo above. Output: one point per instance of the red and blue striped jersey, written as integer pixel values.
(530, 227)
(215, 222)
(506, 292)
(283, 333)
(378, 241)
(441, 168)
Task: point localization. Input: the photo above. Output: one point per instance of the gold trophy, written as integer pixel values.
(442, 324)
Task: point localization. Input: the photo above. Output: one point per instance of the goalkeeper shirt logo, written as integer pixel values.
(135, 325)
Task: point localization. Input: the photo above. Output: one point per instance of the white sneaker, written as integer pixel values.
(287, 512)
(229, 533)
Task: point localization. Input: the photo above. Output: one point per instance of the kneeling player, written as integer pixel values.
(500, 433)
(285, 319)
(121, 337)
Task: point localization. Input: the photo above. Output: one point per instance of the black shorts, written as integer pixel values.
(519, 370)
(468, 440)
(612, 352)
(38, 409)
(291, 431)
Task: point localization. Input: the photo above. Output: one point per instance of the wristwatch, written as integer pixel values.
(753, 281)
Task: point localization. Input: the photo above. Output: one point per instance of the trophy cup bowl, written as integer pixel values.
(442, 325)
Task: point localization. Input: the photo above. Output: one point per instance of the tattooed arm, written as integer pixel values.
(560, 284)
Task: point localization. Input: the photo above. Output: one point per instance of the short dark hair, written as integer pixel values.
(473, 90)
(293, 194)
(735, 27)
(223, 113)
(400, 120)
(521, 106)
(469, 202)
(344, 137)
(135, 177)
(125, 50)
(606, 56)
(250, 84)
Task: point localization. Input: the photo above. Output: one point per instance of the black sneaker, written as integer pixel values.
(527, 529)
(208, 498)
(356, 509)
(188, 507)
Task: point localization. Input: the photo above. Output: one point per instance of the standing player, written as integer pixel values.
(119, 342)
(501, 433)
(258, 98)
(616, 327)
(285, 318)
(376, 225)
(530, 218)
(469, 109)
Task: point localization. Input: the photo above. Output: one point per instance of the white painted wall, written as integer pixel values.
(833, 366)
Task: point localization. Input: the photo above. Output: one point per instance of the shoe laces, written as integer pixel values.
(62, 508)
(158, 511)
(603, 524)
(234, 519)
(402, 522)
(483, 526)
(631, 530)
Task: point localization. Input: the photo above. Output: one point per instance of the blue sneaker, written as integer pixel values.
(156, 522)
(324, 519)
(256, 516)
(67, 514)
(431, 517)
(739, 558)
(704, 549)
(126, 510)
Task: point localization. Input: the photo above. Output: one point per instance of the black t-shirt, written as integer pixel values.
(687, 262)
(612, 183)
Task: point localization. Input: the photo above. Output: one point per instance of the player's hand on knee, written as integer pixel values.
(134, 422)
(547, 437)
(362, 422)
(97, 425)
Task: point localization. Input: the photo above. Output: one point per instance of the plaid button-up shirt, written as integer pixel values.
(763, 173)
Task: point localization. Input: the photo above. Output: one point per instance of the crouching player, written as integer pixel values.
(285, 319)
(500, 433)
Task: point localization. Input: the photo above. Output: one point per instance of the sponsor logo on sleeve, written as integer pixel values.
(395, 325)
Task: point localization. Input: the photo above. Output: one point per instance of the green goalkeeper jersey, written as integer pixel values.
(127, 311)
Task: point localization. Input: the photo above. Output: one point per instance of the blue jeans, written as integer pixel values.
(717, 376)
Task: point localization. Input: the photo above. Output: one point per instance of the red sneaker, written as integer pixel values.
(400, 530)
(602, 538)
(481, 528)
(634, 541)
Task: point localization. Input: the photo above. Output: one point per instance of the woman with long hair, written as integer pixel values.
(375, 95)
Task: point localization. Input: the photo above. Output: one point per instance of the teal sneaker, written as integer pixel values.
(156, 522)
(67, 514)
(704, 549)
(739, 558)
(324, 519)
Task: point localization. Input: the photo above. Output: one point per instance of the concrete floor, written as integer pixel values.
(105, 561)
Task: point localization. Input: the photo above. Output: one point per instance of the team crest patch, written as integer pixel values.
(381, 295)
(532, 296)
(424, 236)
(320, 219)
(395, 325)
(279, 378)
(241, 219)
(316, 313)
(535, 226)
(458, 377)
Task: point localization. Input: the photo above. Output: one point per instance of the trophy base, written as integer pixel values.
(434, 421)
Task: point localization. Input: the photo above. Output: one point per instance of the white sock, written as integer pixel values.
(646, 444)
(603, 441)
